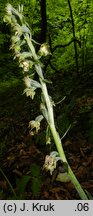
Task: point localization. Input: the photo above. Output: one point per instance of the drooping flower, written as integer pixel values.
(29, 92)
(44, 50)
(51, 162)
(35, 124)
(9, 9)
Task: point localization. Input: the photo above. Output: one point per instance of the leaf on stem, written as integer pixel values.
(39, 118)
(48, 133)
(24, 55)
(25, 29)
(63, 177)
(44, 111)
(7, 19)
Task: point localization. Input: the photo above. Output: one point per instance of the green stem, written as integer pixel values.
(49, 108)
(48, 102)
(77, 184)
(58, 142)
(51, 123)
(70, 172)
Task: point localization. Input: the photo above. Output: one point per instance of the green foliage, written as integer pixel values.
(21, 185)
(22, 36)
(60, 30)
(36, 179)
(59, 27)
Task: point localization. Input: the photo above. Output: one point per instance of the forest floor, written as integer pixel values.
(22, 155)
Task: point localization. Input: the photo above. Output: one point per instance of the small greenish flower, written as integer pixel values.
(31, 83)
(9, 9)
(18, 30)
(44, 50)
(51, 162)
(31, 86)
(15, 39)
(25, 65)
(7, 19)
(34, 124)
(27, 81)
(16, 48)
(29, 92)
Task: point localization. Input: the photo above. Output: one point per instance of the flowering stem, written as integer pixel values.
(76, 184)
(58, 143)
(51, 123)
(23, 30)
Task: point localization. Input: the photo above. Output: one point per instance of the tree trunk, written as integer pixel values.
(43, 21)
(73, 29)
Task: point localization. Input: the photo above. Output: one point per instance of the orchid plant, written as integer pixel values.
(30, 62)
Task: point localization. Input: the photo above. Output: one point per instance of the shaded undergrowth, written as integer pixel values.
(22, 156)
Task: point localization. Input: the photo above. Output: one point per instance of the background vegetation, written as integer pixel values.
(67, 27)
